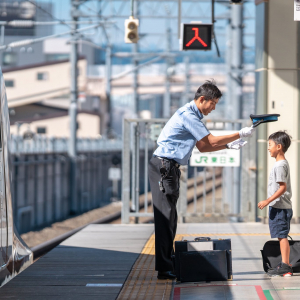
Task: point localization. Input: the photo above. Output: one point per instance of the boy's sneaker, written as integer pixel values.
(271, 268)
(282, 270)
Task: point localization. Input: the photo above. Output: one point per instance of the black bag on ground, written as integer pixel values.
(271, 255)
(212, 262)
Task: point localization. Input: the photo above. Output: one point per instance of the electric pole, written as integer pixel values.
(236, 86)
(167, 96)
(186, 94)
(237, 59)
(228, 171)
(135, 82)
(73, 106)
(108, 90)
(135, 49)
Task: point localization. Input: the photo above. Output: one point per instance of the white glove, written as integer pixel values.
(246, 131)
(237, 144)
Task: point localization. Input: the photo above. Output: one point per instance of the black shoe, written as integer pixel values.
(270, 268)
(166, 275)
(282, 270)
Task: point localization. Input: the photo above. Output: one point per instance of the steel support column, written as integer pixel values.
(185, 97)
(167, 96)
(135, 83)
(126, 173)
(228, 191)
(108, 90)
(73, 107)
(236, 86)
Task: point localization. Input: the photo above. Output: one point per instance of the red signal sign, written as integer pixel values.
(196, 37)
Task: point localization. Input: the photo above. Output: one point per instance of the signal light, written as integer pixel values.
(131, 30)
(196, 36)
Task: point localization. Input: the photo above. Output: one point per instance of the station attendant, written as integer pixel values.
(182, 132)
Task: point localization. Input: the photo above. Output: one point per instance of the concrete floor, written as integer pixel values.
(96, 263)
(249, 279)
(92, 264)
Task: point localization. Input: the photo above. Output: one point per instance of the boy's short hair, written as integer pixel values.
(282, 138)
(209, 90)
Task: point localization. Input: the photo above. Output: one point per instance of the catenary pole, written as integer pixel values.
(135, 82)
(186, 94)
(108, 89)
(2, 35)
(228, 171)
(179, 19)
(73, 107)
(135, 49)
(182, 206)
(237, 58)
(236, 86)
(167, 95)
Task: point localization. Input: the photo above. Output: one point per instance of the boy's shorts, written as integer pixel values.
(279, 222)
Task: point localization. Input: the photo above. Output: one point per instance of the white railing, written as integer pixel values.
(236, 199)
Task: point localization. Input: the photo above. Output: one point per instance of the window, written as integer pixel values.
(9, 59)
(96, 103)
(9, 83)
(42, 76)
(54, 57)
(41, 130)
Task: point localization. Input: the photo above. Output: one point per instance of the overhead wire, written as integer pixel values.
(49, 14)
(100, 16)
(62, 22)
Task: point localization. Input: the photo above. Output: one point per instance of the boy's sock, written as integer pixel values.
(282, 270)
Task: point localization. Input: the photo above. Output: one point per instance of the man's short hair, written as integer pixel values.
(282, 138)
(209, 90)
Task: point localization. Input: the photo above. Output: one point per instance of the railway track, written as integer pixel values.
(115, 217)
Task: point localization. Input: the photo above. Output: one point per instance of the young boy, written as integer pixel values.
(280, 193)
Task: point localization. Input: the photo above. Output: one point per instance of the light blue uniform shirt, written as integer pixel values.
(180, 135)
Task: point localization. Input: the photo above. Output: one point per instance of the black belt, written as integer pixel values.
(172, 161)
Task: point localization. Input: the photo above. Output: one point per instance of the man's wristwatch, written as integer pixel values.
(226, 146)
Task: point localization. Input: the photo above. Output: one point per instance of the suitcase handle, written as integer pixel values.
(290, 237)
(202, 238)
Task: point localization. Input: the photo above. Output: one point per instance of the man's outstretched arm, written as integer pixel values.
(212, 143)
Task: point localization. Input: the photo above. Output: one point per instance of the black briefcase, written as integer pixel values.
(271, 255)
(211, 264)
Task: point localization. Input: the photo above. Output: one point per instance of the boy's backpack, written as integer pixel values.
(271, 255)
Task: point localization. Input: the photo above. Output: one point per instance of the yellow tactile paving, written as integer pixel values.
(142, 282)
(232, 234)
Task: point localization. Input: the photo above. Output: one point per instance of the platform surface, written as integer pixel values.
(249, 280)
(117, 262)
(98, 254)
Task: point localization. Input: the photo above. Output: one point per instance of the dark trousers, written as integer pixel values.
(165, 213)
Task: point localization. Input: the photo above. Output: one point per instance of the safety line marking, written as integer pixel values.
(104, 284)
(207, 285)
(263, 295)
(233, 234)
(268, 295)
(142, 281)
(286, 288)
(260, 292)
(176, 295)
